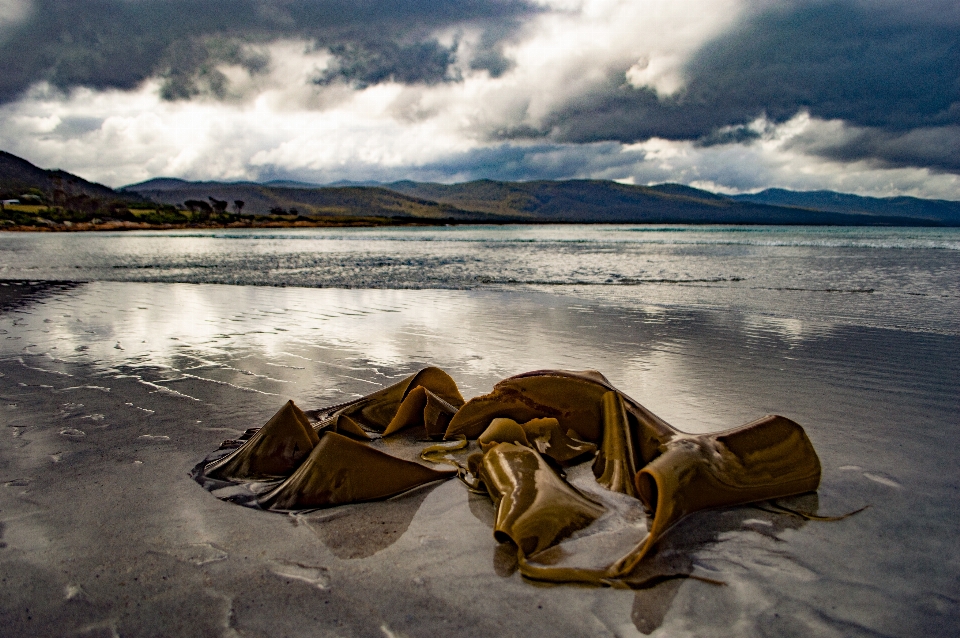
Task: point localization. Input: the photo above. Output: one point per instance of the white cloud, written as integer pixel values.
(279, 122)
(13, 12)
(783, 157)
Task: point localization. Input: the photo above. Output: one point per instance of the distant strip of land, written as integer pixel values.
(35, 199)
(32, 218)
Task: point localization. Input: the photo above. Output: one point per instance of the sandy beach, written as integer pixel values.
(603, 265)
(111, 392)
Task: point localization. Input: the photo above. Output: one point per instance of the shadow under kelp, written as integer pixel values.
(505, 559)
(17, 293)
(657, 579)
(365, 529)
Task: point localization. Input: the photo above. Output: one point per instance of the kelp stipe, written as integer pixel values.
(615, 465)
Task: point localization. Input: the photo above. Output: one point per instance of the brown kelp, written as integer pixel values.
(341, 470)
(530, 430)
(276, 449)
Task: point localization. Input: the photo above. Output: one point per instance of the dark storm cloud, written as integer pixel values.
(118, 43)
(876, 66)
(505, 162)
(936, 148)
(362, 65)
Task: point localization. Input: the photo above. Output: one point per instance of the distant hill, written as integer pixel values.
(18, 176)
(606, 201)
(910, 207)
(260, 199)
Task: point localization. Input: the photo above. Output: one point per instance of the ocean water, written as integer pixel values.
(882, 277)
(113, 388)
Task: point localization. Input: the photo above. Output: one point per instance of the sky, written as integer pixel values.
(858, 96)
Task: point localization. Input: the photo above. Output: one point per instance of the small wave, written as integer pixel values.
(844, 290)
(623, 281)
(762, 236)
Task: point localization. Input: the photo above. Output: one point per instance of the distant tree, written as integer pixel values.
(276, 210)
(294, 211)
(219, 205)
(197, 205)
(238, 205)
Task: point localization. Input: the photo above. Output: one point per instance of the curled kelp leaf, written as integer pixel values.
(535, 507)
(502, 430)
(345, 425)
(422, 407)
(340, 470)
(544, 435)
(769, 458)
(274, 451)
(573, 398)
(377, 411)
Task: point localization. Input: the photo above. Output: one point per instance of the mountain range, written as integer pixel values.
(486, 201)
(562, 201)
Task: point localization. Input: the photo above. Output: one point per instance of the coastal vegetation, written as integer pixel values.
(32, 217)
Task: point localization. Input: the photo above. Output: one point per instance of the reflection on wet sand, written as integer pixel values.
(360, 531)
(106, 534)
(21, 293)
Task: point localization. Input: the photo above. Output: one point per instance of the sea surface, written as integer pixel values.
(125, 358)
(884, 277)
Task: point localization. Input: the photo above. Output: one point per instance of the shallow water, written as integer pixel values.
(112, 391)
(905, 278)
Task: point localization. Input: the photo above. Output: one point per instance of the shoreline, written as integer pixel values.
(90, 223)
(83, 227)
(364, 222)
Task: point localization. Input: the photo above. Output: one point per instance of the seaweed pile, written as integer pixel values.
(529, 446)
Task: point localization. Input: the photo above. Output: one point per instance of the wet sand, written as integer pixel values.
(111, 392)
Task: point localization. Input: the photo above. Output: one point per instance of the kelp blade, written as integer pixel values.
(274, 451)
(768, 458)
(341, 470)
